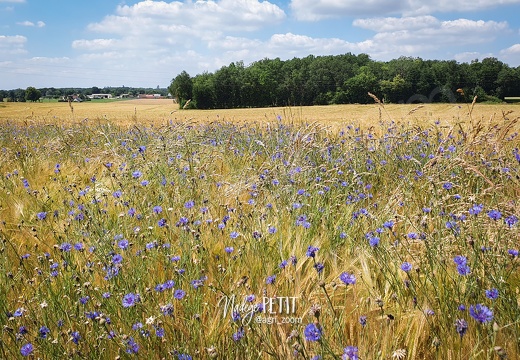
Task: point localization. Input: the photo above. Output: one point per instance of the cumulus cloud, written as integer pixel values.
(428, 32)
(149, 17)
(314, 10)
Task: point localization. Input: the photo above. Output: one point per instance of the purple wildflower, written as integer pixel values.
(494, 214)
(347, 278)
(481, 313)
(26, 349)
(406, 266)
(130, 300)
(313, 332)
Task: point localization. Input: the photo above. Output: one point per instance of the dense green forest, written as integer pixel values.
(343, 79)
(320, 80)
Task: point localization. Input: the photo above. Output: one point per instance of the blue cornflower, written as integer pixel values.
(476, 209)
(350, 353)
(412, 236)
(130, 300)
(406, 266)
(481, 313)
(363, 320)
(513, 252)
(84, 300)
(157, 209)
(460, 260)
(159, 332)
(183, 221)
(123, 244)
(511, 220)
(137, 174)
(283, 264)
(492, 294)
(43, 332)
(233, 235)
(161, 222)
(447, 185)
(373, 241)
(197, 283)
(239, 334)
(179, 294)
(166, 310)
(41, 215)
(347, 278)
(26, 349)
(311, 251)
(271, 230)
(117, 259)
(389, 224)
(313, 332)
(319, 267)
(189, 204)
(131, 346)
(65, 247)
(184, 357)
(229, 249)
(270, 279)
(75, 337)
(461, 326)
(463, 269)
(494, 214)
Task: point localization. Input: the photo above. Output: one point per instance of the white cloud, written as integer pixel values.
(149, 17)
(95, 44)
(439, 6)
(409, 35)
(12, 45)
(314, 10)
(31, 24)
(25, 23)
(511, 55)
(395, 24)
(515, 49)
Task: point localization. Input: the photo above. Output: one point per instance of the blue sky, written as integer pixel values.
(61, 43)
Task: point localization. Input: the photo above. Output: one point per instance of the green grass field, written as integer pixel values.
(138, 230)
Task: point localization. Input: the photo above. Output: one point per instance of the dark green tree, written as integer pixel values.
(204, 91)
(32, 94)
(181, 87)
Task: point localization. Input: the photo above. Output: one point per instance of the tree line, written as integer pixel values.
(344, 79)
(33, 94)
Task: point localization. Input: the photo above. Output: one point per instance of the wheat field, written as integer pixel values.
(134, 229)
(130, 112)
